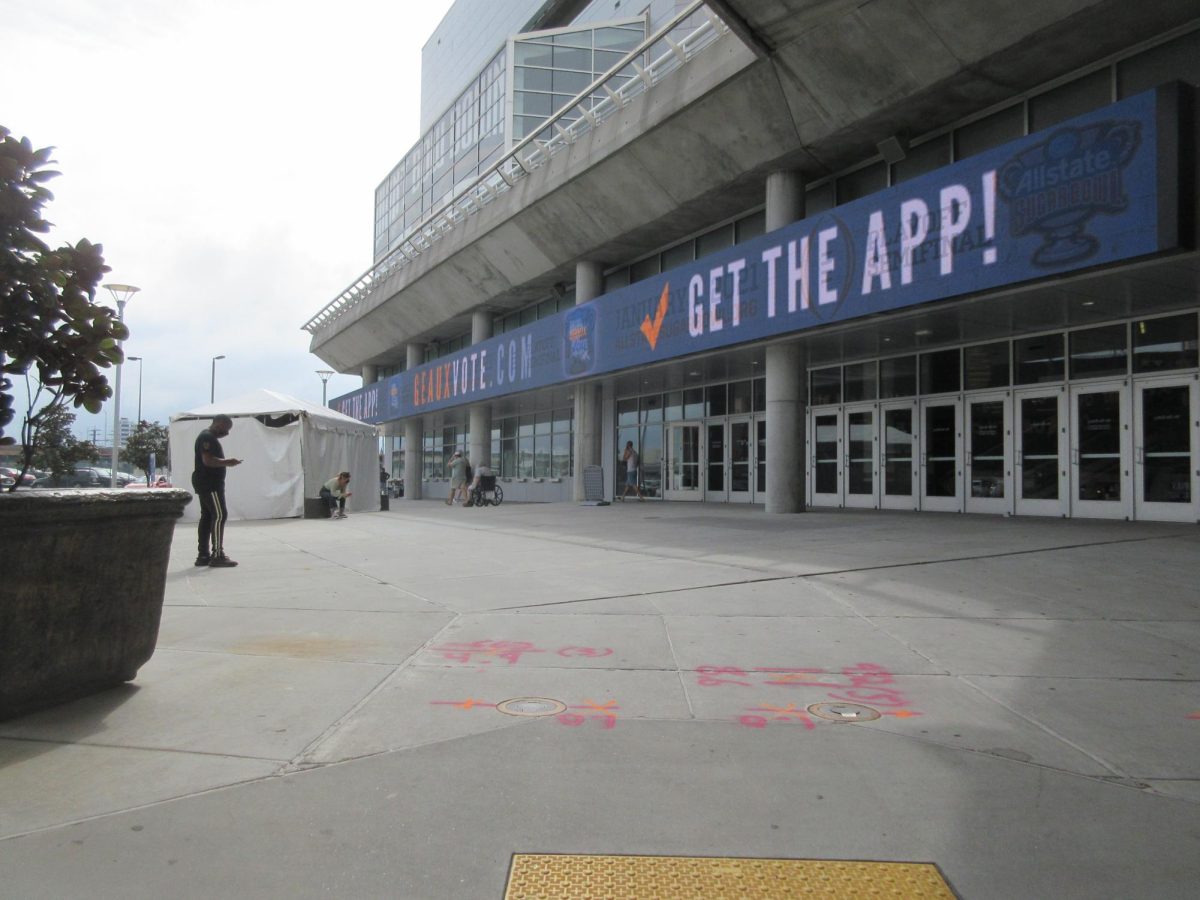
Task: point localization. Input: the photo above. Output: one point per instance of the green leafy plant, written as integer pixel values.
(147, 438)
(58, 450)
(52, 331)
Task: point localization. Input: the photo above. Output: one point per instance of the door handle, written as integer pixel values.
(970, 456)
(1075, 456)
(1140, 453)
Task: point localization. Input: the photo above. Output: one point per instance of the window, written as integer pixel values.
(986, 366)
(826, 386)
(860, 382)
(897, 377)
(941, 372)
(716, 399)
(1097, 352)
(1163, 344)
(525, 447)
(741, 396)
(1038, 360)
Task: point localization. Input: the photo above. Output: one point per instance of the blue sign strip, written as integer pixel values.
(1096, 190)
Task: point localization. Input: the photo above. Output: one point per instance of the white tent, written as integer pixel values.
(288, 448)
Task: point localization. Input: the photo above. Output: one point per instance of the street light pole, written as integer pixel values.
(212, 384)
(121, 293)
(138, 360)
(324, 375)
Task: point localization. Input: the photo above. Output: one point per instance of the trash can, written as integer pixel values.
(315, 508)
(384, 502)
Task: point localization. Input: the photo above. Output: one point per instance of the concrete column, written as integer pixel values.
(481, 325)
(785, 428)
(785, 199)
(413, 458)
(368, 375)
(480, 451)
(416, 355)
(589, 283)
(413, 450)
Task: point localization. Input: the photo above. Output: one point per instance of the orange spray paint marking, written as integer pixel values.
(469, 703)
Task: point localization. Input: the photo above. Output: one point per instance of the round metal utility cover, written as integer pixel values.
(844, 712)
(531, 706)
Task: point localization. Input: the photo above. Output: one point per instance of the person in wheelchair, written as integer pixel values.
(483, 488)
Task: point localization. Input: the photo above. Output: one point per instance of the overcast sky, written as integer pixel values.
(225, 153)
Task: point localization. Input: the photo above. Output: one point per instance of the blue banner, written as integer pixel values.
(1095, 190)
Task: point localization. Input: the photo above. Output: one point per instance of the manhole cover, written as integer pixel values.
(844, 712)
(533, 706)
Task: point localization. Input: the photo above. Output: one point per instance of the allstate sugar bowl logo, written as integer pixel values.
(1055, 187)
(579, 341)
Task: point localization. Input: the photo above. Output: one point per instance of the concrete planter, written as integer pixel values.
(82, 577)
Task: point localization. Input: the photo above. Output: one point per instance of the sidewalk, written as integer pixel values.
(321, 721)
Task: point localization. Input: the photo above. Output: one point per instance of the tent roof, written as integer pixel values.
(266, 402)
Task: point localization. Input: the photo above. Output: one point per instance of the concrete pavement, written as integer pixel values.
(322, 721)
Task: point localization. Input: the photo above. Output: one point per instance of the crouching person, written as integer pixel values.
(334, 493)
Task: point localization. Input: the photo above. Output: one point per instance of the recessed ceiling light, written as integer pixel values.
(887, 340)
(694, 374)
(923, 332)
(1089, 302)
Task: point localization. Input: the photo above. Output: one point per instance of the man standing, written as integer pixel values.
(631, 460)
(208, 481)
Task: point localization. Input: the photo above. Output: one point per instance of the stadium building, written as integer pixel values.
(883, 254)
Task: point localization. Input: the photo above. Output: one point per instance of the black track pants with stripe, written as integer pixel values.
(213, 513)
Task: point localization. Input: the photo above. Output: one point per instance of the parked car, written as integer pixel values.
(10, 476)
(84, 476)
(161, 482)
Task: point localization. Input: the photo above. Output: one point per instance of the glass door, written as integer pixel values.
(989, 453)
(715, 487)
(1100, 451)
(1040, 451)
(1166, 423)
(741, 461)
(940, 442)
(898, 461)
(827, 457)
(861, 476)
(760, 462)
(684, 479)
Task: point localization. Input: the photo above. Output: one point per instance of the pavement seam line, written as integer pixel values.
(340, 564)
(1116, 770)
(687, 697)
(334, 726)
(801, 575)
(141, 747)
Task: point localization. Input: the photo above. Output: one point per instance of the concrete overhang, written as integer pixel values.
(697, 148)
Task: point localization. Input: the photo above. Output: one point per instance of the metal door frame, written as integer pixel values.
(909, 500)
(823, 499)
(1060, 507)
(731, 495)
(670, 491)
(1102, 509)
(941, 504)
(996, 505)
(860, 501)
(1161, 511)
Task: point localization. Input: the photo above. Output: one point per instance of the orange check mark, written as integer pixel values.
(651, 329)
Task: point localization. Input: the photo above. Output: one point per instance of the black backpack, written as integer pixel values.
(468, 471)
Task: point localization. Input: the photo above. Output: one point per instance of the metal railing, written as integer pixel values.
(582, 115)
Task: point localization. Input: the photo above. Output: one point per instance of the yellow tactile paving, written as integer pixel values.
(565, 877)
